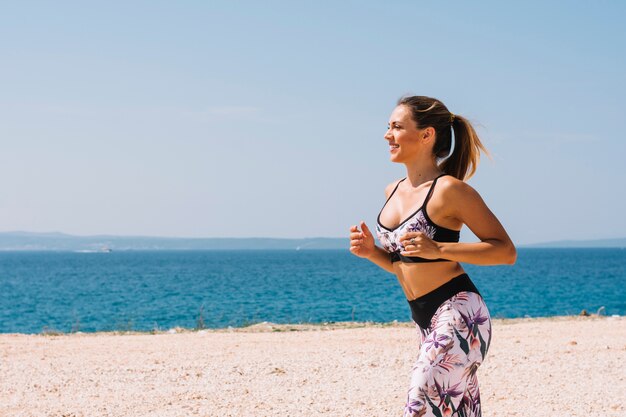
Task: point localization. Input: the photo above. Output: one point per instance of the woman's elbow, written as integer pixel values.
(511, 254)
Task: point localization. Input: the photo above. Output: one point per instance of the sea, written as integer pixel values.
(44, 292)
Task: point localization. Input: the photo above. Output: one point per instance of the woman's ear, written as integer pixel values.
(428, 134)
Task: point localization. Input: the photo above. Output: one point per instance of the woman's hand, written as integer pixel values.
(418, 244)
(362, 243)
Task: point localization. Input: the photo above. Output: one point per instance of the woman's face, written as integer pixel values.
(402, 134)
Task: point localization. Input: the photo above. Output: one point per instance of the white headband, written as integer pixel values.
(452, 143)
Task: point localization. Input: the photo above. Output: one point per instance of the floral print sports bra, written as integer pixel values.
(416, 222)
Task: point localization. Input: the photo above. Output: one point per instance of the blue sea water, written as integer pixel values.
(146, 290)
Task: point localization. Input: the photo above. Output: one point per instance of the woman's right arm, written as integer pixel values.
(382, 258)
(362, 245)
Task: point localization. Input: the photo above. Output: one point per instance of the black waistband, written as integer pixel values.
(423, 308)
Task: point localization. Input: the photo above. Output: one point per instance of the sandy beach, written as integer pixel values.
(559, 366)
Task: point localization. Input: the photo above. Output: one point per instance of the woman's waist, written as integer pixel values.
(418, 279)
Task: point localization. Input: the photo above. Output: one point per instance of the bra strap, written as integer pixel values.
(432, 187)
(394, 190)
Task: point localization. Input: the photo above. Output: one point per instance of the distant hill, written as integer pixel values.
(21, 241)
(55, 241)
(598, 243)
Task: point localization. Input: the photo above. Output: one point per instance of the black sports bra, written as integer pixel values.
(416, 222)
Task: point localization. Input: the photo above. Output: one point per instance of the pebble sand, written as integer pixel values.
(558, 366)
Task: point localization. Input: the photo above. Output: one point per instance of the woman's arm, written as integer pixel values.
(465, 204)
(375, 254)
(495, 246)
(362, 244)
(486, 252)
(381, 258)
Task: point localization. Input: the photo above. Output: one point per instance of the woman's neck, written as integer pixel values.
(419, 175)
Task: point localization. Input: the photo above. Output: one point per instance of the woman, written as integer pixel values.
(418, 227)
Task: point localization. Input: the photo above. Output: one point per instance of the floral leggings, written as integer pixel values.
(443, 379)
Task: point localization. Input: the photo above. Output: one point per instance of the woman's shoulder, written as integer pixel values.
(452, 186)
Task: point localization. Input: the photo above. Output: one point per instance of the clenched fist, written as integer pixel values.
(362, 242)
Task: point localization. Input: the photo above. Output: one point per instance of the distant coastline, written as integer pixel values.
(55, 241)
(597, 243)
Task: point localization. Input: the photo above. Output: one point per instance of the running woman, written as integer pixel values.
(419, 227)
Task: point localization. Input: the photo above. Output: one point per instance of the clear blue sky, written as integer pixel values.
(266, 119)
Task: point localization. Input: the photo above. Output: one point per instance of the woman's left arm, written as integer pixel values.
(495, 246)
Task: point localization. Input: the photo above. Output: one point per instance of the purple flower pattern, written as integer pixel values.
(390, 239)
(443, 379)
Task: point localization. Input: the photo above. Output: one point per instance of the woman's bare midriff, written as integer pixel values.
(417, 279)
